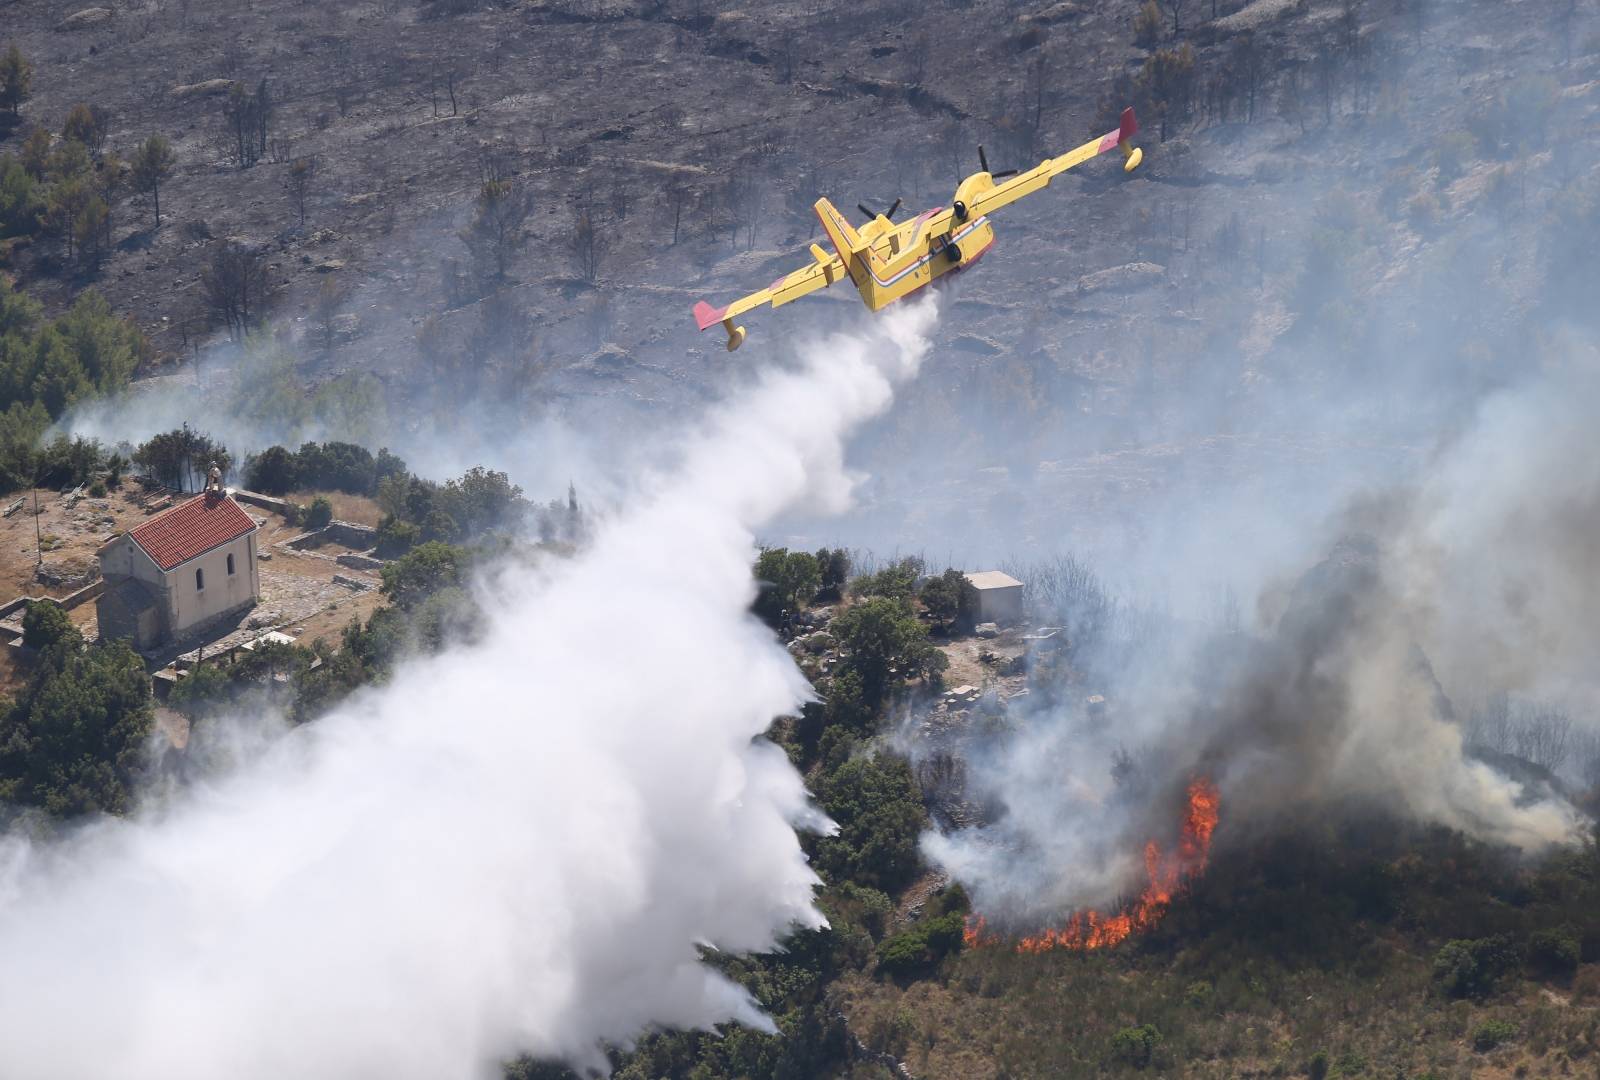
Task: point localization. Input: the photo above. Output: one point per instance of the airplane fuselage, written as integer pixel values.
(910, 255)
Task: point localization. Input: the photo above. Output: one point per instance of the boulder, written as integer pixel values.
(987, 630)
(819, 642)
(1134, 275)
(207, 88)
(1054, 13)
(78, 20)
(346, 327)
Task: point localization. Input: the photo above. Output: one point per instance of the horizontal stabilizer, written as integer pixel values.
(708, 316)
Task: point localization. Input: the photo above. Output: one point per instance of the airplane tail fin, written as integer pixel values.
(1129, 126)
(707, 316)
(846, 241)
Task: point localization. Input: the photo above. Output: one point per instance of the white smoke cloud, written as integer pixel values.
(513, 847)
(1473, 577)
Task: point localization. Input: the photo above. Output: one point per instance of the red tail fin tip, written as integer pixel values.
(708, 316)
(1130, 125)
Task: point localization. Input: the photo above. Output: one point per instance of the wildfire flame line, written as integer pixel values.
(1166, 871)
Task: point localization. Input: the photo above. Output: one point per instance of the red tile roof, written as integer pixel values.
(191, 528)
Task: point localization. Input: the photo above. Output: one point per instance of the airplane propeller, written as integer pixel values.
(983, 159)
(889, 213)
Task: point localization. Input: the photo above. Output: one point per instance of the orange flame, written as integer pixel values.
(1166, 873)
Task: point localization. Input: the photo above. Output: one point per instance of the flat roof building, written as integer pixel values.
(994, 596)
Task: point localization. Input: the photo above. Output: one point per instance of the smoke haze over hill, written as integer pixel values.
(1344, 683)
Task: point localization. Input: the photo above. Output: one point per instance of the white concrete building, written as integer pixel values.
(184, 568)
(994, 597)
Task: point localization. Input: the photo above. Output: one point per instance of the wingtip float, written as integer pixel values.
(887, 261)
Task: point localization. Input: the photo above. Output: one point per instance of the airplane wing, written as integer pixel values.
(1039, 177)
(819, 275)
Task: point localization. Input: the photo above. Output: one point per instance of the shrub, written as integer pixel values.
(878, 808)
(923, 945)
(1136, 1046)
(883, 644)
(1350, 1063)
(293, 514)
(97, 490)
(73, 743)
(1491, 1033)
(396, 537)
(897, 581)
(787, 580)
(1317, 1067)
(1147, 24)
(182, 457)
(341, 466)
(834, 566)
(46, 627)
(422, 572)
(942, 596)
(1471, 967)
(319, 513)
(850, 904)
(904, 954)
(271, 472)
(439, 525)
(1555, 951)
(203, 693)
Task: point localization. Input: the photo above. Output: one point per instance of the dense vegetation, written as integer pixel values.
(73, 741)
(428, 609)
(1353, 945)
(1461, 952)
(47, 365)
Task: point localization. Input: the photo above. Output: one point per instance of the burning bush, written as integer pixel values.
(1166, 873)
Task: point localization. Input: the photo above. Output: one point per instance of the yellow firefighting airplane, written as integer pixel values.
(888, 261)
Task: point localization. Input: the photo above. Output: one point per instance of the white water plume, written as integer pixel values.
(514, 847)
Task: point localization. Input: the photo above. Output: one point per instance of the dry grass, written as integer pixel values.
(992, 1014)
(78, 533)
(355, 508)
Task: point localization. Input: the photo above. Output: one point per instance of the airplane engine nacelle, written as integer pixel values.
(971, 188)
